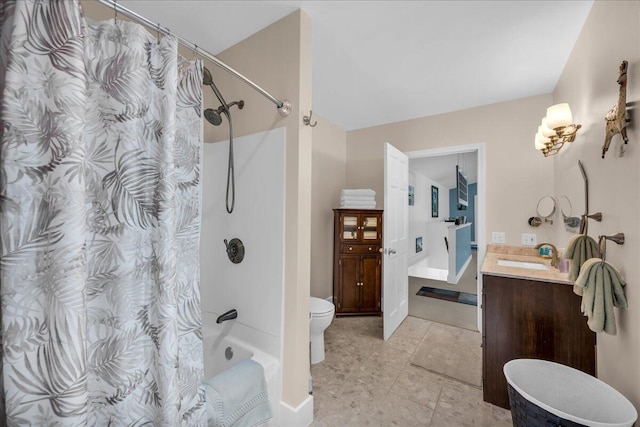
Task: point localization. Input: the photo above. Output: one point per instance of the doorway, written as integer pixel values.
(456, 155)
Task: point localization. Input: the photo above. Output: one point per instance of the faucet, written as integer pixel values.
(231, 314)
(554, 253)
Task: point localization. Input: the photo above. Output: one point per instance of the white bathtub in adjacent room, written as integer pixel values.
(424, 270)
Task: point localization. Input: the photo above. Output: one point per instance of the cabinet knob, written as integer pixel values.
(350, 248)
(370, 248)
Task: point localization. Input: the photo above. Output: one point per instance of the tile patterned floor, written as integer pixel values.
(365, 381)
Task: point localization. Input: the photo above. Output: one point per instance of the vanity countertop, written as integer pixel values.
(525, 254)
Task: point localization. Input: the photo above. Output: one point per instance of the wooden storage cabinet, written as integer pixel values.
(357, 261)
(533, 320)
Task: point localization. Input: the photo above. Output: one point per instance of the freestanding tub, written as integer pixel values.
(548, 393)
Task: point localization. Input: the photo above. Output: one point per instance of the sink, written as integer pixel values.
(522, 264)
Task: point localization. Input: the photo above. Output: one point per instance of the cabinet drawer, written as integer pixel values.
(359, 249)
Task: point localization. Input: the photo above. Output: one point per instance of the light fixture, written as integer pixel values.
(556, 129)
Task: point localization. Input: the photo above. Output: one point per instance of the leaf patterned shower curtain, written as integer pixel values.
(100, 220)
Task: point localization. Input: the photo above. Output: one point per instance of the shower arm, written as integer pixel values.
(284, 107)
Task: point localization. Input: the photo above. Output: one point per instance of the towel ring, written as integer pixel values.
(617, 238)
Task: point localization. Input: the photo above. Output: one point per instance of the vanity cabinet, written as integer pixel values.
(534, 320)
(357, 268)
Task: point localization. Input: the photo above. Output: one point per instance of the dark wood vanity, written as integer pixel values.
(528, 318)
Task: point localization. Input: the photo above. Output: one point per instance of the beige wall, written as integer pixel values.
(329, 177)
(611, 34)
(278, 58)
(516, 174)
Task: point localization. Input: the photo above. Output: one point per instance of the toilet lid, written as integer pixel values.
(320, 306)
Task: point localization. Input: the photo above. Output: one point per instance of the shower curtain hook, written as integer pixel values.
(195, 52)
(115, 12)
(158, 30)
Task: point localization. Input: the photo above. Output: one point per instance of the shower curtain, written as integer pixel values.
(100, 219)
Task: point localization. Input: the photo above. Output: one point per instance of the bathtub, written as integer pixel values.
(222, 350)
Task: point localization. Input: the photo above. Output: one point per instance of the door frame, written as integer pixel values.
(481, 218)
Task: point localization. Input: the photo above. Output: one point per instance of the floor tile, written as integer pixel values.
(366, 381)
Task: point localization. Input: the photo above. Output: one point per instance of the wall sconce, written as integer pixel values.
(556, 129)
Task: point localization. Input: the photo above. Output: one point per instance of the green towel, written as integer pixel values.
(602, 288)
(580, 248)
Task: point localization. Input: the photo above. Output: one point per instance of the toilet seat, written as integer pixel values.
(320, 307)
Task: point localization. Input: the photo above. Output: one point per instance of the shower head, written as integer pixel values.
(215, 116)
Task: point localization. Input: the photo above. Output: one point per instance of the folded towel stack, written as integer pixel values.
(580, 248)
(602, 289)
(358, 199)
(238, 396)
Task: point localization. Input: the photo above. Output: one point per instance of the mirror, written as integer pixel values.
(546, 207)
(565, 207)
(571, 190)
(571, 223)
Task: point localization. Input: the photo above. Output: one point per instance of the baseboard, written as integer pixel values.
(300, 416)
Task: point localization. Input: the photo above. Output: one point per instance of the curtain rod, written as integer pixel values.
(284, 107)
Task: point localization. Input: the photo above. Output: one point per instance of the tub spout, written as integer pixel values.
(231, 314)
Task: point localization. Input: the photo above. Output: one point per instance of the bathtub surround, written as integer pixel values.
(279, 57)
(100, 162)
(258, 220)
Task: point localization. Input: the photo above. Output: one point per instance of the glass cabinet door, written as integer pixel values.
(370, 228)
(350, 228)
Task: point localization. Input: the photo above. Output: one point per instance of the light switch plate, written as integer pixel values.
(498, 237)
(528, 239)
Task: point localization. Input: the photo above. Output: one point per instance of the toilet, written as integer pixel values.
(320, 318)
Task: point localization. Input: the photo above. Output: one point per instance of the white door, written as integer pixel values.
(395, 291)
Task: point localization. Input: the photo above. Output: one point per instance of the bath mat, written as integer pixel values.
(461, 297)
(452, 352)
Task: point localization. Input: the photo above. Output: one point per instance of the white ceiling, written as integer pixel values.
(377, 62)
(442, 169)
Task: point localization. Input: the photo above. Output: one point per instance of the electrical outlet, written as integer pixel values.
(528, 239)
(498, 237)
